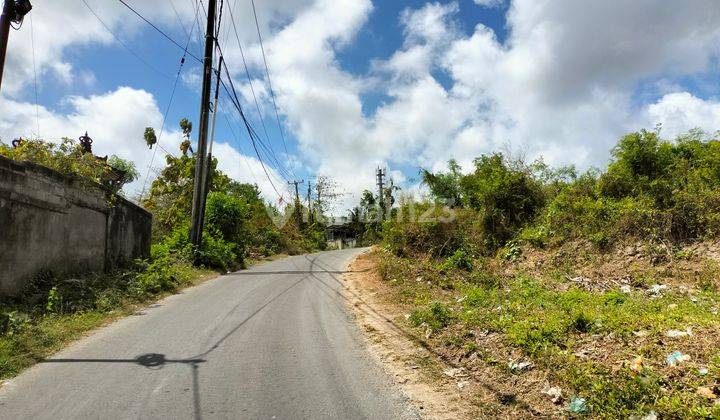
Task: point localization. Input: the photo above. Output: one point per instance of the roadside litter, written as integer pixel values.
(555, 394)
(676, 357)
(519, 366)
(678, 333)
(707, 392)
(577, 405)
(656, 289)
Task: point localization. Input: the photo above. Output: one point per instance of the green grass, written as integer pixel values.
(547, 322)
(536, 318)
(52, 312)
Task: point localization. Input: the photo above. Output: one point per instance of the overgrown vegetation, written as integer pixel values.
(456, 263)
(652, 189)
(69, 158)
(238, 225)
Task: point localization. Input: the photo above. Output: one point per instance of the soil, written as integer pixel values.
(443, 383)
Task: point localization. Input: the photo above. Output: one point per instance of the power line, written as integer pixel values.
(124, 45)
(247, 72)
(177, 15)
(160, 31)
(236, 102)
(242, 152)
(267, 72)
(266, 147)
(167, 110)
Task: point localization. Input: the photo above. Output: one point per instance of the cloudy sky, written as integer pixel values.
(402, 84)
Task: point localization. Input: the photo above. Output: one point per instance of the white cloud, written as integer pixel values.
(489, 3)
(248, 169)
(681, 112)
(115, 120)
(562, 84)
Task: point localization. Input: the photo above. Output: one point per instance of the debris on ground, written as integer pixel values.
(651, 415)
(462, 384)
(519, 366)
(676, 357)
(584, 352)
(625, 288)
(555, 393)
(577, 405)
(702, 371)
(707, 392)
(637, 364)
(679, 333)
(656, 289)
(453, 372)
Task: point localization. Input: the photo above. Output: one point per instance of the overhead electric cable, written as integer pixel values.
(267, 72)
(167, 110)
(236, 102)
(123, 44)
(160, 31)
(266, 147)
(247, 73)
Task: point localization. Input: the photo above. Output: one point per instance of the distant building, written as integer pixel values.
(339, 233)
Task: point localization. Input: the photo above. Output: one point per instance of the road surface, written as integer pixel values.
(271, 342)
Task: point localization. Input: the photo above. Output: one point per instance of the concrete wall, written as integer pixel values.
(51, 222)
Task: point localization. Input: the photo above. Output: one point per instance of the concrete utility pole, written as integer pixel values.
(13, 12)
(380, 176)
(198, 203)
(297, 200)
(309, 201)
(207, 175)
(297, 192)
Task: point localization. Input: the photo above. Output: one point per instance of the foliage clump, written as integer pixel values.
(69, 158)
(653, 189)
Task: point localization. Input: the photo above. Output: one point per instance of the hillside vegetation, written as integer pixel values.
(603, 282)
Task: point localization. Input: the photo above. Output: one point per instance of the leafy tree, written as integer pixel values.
(445, 186)
(505, 198)
(150, 137)
(170, 196)
(126, 168)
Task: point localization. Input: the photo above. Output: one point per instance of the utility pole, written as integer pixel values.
(297, 200)
(207, 174)
(380, 176)
(297, 192)
(309, 201)
(198, 203)
(13, 12)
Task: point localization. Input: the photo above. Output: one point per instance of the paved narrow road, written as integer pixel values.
(271, 342)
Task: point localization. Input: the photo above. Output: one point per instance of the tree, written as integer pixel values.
(327, 193)
(150, 137)
(126, 168)
(186, 145)
(445, 186)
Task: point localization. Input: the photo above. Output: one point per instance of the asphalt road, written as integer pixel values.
(271, 342)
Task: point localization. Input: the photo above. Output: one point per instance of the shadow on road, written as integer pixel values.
(158, 361)
(268, 273)
(370, 311)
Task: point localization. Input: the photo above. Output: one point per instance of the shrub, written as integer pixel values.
(506, 198)
(437, 316)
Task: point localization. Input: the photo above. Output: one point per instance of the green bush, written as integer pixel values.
(437, 316)
(505, 197)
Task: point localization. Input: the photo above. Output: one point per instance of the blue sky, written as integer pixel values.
(402, 84)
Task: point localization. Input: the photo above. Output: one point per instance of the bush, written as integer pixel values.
(506, 198)
(437, 316)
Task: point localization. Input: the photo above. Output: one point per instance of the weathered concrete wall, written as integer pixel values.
(51, 222)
